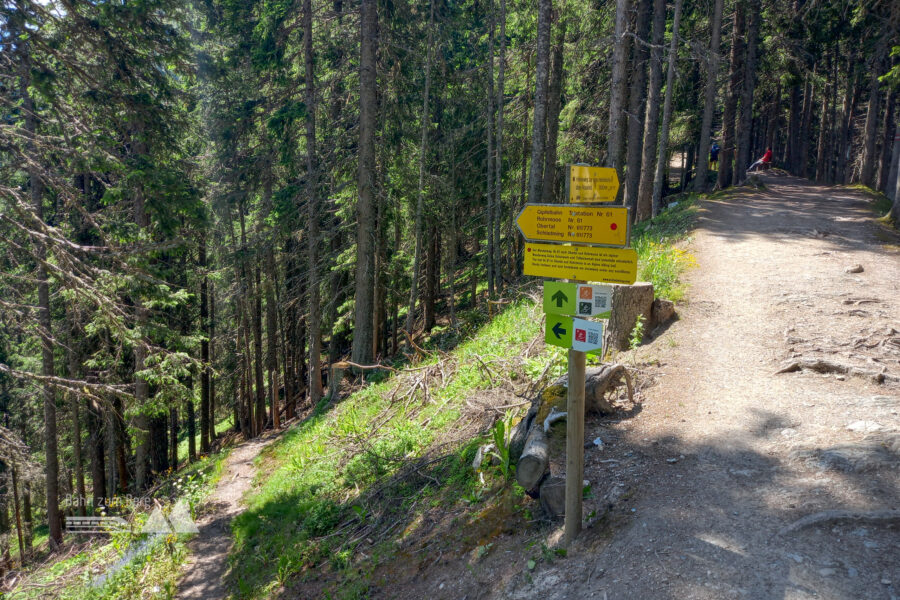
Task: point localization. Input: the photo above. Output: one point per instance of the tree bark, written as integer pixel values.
(362, 333)
(735, 79)
(637, 106)
(712, 74)
(44, 319)
(616, 140)
(887, 144)
(314, 301)
(651, 119)
(498, 168)
(420, 196)
(809, 100)
(745, 115)
(548, 191)
(490, 217)
(873, 114)
(542, 73)
(19, 528)
(662, 155)
(849, 107)
(204, 348)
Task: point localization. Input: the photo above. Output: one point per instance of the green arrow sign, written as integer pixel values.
(578, 299)
(578, 334)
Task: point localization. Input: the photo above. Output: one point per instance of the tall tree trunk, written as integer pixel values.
(662, 156)
(44, 320)
(651, 119)
(173, 437)
(272, 336)
(211, 336)
(19, 528)
(735, 79)
(191, 427)
(542, 74)
(637, 106)
(709, 104)
(851, 97)
(432, 262)
(498, 168)
(420, 196)
(888, 130)
(873, 114)
(774, 116)
(554, 101)
(615, 142)
(809, 100)
(74, 373)
(745, 114)
(365, 209)
(490, 217)
(256, 287)
(204, 348)
(314, 300)
(823, 140)
(795, 116)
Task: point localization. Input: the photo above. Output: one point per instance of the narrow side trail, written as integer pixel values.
(726, 454)
(207, 566)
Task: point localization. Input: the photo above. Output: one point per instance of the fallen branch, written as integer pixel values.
(829, 516)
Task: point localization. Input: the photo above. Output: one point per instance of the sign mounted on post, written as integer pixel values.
(592, 184)
(584, 263)
(577, 334)
(579, 299)
(573, 223)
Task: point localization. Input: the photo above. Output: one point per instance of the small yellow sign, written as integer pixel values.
(575, 223)
(592, 184)
(583, 263)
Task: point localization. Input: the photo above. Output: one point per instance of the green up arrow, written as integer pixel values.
(559, 298)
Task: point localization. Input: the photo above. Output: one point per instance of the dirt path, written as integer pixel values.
(206, 570)
(725, 453)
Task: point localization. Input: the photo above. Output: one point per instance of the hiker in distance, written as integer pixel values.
(763, 163)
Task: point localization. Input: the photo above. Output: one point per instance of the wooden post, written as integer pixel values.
(574, 446)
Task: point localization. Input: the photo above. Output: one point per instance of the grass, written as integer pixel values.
(660, 260)
(336, 474)
(880, 204)
(151, 574)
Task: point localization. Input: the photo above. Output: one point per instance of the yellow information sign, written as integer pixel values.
(592, 184)
(575, 223)
(584, 263)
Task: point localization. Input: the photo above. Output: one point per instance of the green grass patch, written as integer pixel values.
(660, 260)
(341, 470)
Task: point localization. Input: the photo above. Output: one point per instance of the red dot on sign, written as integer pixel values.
(613, 226)
(529, 249)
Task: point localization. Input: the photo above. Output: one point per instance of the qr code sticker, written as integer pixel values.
(584, 308)
(599, 301)
(592, 337)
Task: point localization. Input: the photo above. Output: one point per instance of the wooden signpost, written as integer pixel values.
(587, 244)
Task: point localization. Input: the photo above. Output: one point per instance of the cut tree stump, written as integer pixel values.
(599, 382)
(553, 497)
(628, 302)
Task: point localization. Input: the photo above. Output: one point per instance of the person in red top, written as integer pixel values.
(763, 163)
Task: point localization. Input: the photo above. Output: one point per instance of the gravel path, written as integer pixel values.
(207, 568)
(725, 453)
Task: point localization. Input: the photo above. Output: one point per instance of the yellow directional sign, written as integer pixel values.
(592, 184)
(584, 263)
(574, 223)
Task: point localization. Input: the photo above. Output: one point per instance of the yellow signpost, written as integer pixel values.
(575, 223)
(582, 263)
(592, 184)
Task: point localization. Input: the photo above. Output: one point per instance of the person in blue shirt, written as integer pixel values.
(714, 156)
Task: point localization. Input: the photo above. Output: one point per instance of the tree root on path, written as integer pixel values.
(829, 516)
(823, 366)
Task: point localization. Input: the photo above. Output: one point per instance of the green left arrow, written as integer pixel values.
(558, 331)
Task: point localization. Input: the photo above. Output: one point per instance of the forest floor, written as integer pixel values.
(206, 569)
(723, 454)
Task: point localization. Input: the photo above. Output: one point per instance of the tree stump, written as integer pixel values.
(553, 497)
(535, 459)
(628, 302)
